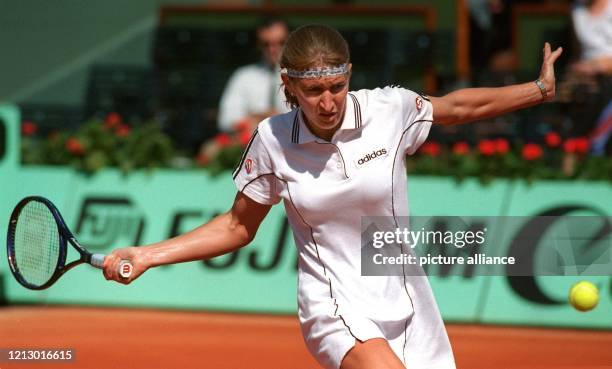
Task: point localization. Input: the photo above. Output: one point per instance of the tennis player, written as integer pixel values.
(338, 156)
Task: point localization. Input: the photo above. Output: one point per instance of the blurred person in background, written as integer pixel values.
(253, 91)
(592, 22)
(489, 24)
(491, 35)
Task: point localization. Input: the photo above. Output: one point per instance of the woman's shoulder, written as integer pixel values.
(389, 90)
(277, 127)
(391, 94)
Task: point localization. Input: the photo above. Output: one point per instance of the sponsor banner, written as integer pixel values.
(459, 298)
(543, 300)
(109, 210)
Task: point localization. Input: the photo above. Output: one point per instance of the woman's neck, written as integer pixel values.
(325, 134)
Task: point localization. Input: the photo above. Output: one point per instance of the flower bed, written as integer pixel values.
(112, 142)
(99, 144)
(553, 158)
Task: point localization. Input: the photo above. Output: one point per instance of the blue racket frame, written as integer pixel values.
(65, 236)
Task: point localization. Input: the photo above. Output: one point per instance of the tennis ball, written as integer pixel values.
(584, 296)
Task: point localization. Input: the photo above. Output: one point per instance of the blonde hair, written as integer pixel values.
(313, 46)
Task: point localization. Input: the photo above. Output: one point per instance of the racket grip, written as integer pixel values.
(97, 260)
(125, 267)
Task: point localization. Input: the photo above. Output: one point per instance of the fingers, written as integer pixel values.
(546, 50)
(547, 71)
(112, 263)
(107, 267)
(111, 267)
(550, 56)
(555, 54)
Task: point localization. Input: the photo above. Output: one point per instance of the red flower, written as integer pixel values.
(74, 146)
(112, 119)
(244, 137)
(461, 148)
(122, 130)
(487, 147)
(243, 125)
(578, 145)
(552, 139)
(569, 146)
(532, 151)
(582, 145)
(28, 128)
(223, 139)
(431, 149)
(502, 146)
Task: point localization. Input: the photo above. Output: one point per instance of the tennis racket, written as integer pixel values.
(37, 245)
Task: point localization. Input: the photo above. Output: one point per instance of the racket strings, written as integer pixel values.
(37, 245)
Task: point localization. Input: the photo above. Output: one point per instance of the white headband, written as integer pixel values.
(316, 72)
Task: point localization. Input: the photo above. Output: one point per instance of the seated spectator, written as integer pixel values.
(591, 74)
(592, 22)
(253, 91)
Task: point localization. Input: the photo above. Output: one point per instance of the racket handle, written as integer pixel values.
(97, 260)
(125, 267)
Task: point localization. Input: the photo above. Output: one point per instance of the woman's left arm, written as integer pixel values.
(472, 104)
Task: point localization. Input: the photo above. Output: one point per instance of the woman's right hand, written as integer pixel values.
(112, 261)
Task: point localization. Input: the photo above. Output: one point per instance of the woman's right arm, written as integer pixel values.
(223, 234)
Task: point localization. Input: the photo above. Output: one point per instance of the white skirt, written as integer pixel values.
(331, 324)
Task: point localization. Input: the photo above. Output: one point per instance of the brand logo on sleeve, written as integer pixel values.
(419, 103)
(248, 165)
(375, 154)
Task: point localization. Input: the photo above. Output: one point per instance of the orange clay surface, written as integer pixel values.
(137, 338)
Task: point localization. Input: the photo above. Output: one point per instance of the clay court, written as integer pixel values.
(137, 338)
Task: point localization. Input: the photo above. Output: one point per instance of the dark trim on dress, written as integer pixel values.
(394, 160)
(397, 225)
(295, 133)
(357, 110)
(331, 295)
(244, 154)
(425, 97)
(256, 178)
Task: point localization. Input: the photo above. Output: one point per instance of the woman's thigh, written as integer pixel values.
(371, 354)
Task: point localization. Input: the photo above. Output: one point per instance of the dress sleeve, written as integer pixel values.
(254, 176)
(417, 117)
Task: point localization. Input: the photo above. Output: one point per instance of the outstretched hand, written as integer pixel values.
(114, 259)
(547, 72)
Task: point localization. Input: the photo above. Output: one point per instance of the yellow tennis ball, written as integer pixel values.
(584, 296)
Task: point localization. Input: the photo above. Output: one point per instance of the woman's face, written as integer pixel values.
(322, 100)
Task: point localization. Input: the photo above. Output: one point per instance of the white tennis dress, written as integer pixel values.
(326, 187)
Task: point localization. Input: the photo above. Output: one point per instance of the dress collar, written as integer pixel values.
(352, 120)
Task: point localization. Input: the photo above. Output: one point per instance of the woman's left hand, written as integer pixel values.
(547, 72)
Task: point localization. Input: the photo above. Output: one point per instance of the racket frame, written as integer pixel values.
(65, 237)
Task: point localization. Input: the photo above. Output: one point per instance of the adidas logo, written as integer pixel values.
(371, 156)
